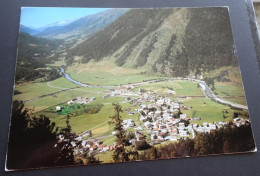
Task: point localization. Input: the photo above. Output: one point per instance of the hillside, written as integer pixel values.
(31, 47)
(32, 54)
(173, 42)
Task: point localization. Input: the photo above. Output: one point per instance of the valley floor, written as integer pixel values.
(91, 106)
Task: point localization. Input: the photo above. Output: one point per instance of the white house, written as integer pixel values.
(183, 116)
(128, 123)
(58, 108)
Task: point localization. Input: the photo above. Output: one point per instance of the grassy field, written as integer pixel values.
(208, 110)
(33, 90)
(45, 102)
(227, 89)
(106, 157)
(239, 100)
(95, 122)
(49, 101)
(185, 88)
(233, 87)
(62, 82)
(104, 73)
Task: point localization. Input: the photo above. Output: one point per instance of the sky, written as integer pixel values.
(36, 17)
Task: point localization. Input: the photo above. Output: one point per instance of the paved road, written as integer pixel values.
(206, 90)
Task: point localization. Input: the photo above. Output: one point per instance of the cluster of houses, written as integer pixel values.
(89, 146)
(122, 90)
(81, 100)
(77, 100)
(163, 123)
(162, 120)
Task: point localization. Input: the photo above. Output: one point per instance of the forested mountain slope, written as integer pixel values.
(173, 42)
(32, 54)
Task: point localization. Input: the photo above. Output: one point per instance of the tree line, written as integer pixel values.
(229, 139)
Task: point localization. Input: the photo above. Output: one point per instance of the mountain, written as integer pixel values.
(32, 54)
(28, 30)
(83, 26)
(36, 48)
(173, 42)
(62, 23)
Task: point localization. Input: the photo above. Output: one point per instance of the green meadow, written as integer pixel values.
(95, 122)
(33, 90)
(238, 100)
(62, 97)
(106, 78)
(181, 87)
(208, 110)
(224, 89)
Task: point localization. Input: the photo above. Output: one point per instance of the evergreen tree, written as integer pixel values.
(120, 152)
(28, 137)
(66, 150)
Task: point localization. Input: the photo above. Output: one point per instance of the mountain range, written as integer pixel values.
(27, 30)
(83, 26)
(173, 42)
(166, 41)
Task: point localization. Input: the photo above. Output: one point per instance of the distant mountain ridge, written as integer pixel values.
(28, 30)
(83, 26)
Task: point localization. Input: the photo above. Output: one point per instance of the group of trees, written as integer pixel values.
(33, 141)
(30, 74)
(28, 135)
(224, 140)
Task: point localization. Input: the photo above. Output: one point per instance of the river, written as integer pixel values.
(205, 88)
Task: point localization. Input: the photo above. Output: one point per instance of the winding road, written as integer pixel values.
(206, 90)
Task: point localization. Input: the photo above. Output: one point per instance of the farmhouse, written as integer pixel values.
(58, 108)
(127, 123)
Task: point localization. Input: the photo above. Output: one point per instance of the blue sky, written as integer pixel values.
(36, 17)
